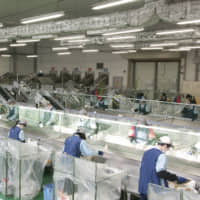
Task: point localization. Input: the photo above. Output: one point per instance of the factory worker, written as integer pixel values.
(143, 108)
(153, 168)
(76, 145)
(17, 132)
(48, 117)
(164, 97)
(141, 134)
(190, 111)
(13, 111)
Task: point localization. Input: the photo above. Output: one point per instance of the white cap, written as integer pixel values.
(165, 140)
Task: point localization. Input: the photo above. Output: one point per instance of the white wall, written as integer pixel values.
(4, 65)
(117, 66)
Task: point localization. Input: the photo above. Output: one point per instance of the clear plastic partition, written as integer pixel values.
(22, 169)
(156, 192)
(84, 179)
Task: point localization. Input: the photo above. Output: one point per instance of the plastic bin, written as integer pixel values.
(48, 191)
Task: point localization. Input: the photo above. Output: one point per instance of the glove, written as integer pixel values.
(41, 125)
(181, 180)
(100, 153)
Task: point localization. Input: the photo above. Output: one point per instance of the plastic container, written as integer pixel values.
(48, 191)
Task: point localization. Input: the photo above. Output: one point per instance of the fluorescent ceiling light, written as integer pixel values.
(48, 36)
(59, 48)
(131, 51)
(121, 38)
(18, 45)
(71, 37)
(32, 56)
(3, 49)
(123, 31)
(152, 48)
(90, 50)
(64, 53)
(198, 41)
(78, 41)
(119, 52)
(27, 40)
(180, 49)
(163, 44)
(76, 47)
(196, 21)
(100, 31)
(190, 47)
(122, 45)
(44, 17)
(3, 40)
(1, 25)
(175, 31)
(109, 4)
(6, 55)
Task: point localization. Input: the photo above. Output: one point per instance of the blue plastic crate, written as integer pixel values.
(48, 191)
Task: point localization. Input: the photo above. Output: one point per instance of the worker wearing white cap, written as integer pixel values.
(154, 168)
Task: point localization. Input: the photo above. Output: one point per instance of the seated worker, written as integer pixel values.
(16, 132)
(190, 111)
(13, 111)
(141, 134)
(177, 99)
(77, 147)
(164, 97)
(153, 168)
(48, 117)
(143, 108)
(102, 103)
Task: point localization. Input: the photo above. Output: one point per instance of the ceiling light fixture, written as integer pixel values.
(3, 49)
(109, 4)
(121, 38)
(76, 47)
(198, 41)
(196, 21)
(59, 48)
(181, 49)
(90, 50)
(131, 51)
(122, 45)
(100, 31)
(152, 48)
(119, 52)
(78, 41)
(44, 17)
(32, 56)
(163, 44)
(71, 37)
(175, 31)
(190, 47)
(18, 45)
(123, 31)
(64, 53)
(27, 40)
(40, 37)
(1, 25)
(6, 55)
(3, 40)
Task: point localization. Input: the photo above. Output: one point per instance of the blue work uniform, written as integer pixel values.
(77, 147)
(153, 161)
(16, 133)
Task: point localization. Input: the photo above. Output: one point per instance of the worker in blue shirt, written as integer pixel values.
(17, 132)
(76, 145)
(13, 111)
(154, 168)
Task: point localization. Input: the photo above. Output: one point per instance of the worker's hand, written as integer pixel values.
(100, 153)
(181, 180)
(41, 125)
(136, 110)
